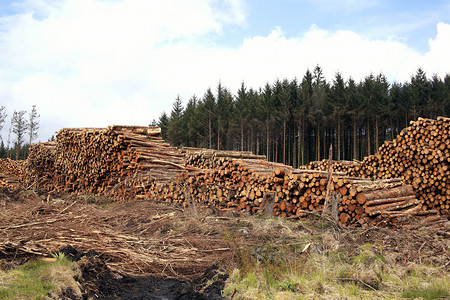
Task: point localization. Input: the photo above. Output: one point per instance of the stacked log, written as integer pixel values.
(11, 173)
(420, 155)
(12, 167)
(245, 184)
(120, 161)
(131, 162)
(361, 201)
(9, 181)
(351, 168)
(40, 166)
(228, 178)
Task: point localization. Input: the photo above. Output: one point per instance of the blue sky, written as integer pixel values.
(411, 21)
(93, 63)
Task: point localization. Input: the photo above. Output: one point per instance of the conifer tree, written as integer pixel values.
(2, 119)
(33, 125)
(19, 127)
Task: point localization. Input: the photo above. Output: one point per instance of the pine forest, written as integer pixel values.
(295, 121)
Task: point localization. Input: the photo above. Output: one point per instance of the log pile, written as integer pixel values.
(11, 173)
(40, 166)
(351, 168)
(246, 183)
(12, 167)
(420, 156)
(120, 161)
(9, 181)
(229, 178)
(361, 201)
(131, 162)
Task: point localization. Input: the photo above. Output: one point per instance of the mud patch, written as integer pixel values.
(99, 282)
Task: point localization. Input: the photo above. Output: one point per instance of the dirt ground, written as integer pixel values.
(151, 250)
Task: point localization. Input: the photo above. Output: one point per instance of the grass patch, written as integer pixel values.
(426, 293)
(274, 267)
(40, 279)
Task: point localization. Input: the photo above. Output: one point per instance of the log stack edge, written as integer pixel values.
(407, 178)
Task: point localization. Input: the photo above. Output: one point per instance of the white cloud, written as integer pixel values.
(436, 60)
(95, 63)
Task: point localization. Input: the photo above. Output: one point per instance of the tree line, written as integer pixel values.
(295, 121)
(23, 130)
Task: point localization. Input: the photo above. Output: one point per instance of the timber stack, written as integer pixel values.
(134, 162)
(229, 181)
(40, 166)
(11, 173)
(9, 181)
(12, 167)
(351, 168)
(119, 161)
(420, 156)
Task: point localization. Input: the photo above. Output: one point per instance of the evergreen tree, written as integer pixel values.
(2, 120)
(192, 122)
(175, 128)
(242, 112)
(33, 125)
(380, 106)
(437, 97)
(353, 107)
(306, 92)
(163, 123)
(446, 104)
(3, 153)
(318, 106)
(295, 123)
(224, 110)
(368, 92)
(19, 127)
(420, 88)
(337, 101)
(282, 96)
(208, 115)
(267, 111)
(254, 121)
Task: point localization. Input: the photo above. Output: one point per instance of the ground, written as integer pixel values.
(152, 250)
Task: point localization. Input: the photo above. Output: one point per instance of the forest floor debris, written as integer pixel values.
(148, 250)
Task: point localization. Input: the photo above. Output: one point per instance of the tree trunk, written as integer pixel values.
(210, 131)
(284, 141)
(294, 149)
(17, 151)
(376, 133)
(344, 141)
(218, 137)
(267, 139)
(339, 138)
(300, 136)
(242, 136)
(392, 128)
(318, 141)
(276, 151)
(252, 139)
(368, 137)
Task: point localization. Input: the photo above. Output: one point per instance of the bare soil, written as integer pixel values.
(151, 250)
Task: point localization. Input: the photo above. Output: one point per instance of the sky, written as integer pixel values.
(94, 63)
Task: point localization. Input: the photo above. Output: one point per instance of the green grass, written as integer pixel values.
(426, 293)
(40, 279)
(276, 269)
